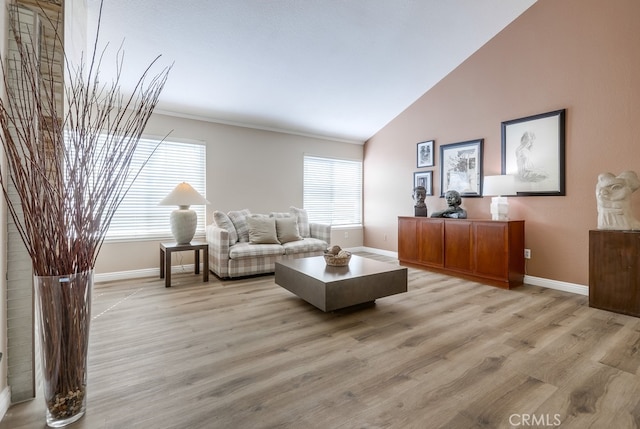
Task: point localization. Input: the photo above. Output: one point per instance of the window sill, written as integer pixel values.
(354, 226)
(159, 238)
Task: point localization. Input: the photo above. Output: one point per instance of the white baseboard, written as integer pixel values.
(388, 253)
(558, 285)
(136, 274)
(5, 401)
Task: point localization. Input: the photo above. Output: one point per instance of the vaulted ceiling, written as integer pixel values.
(340, 69)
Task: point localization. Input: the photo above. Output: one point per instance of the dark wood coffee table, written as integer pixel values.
(332, 288)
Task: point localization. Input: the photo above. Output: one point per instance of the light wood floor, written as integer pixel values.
(447, 354)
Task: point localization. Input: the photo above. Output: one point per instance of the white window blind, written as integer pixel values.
(333, 190)
(139, 216)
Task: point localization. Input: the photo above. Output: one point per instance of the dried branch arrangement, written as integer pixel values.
(69, 185)
(69, 189)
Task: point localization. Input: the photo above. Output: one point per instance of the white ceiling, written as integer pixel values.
(340, 69)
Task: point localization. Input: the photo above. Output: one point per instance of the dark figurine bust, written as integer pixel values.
(454, 210)
(419, 194)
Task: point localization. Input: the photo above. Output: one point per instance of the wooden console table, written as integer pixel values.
(487, 251)
(165, 259)
(614, 271)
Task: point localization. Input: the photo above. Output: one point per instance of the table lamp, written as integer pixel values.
(183, 219)
(499, 187)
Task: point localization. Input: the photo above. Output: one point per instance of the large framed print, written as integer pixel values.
(424, 178)
(425, 154)
(461, 168)
(533, 150)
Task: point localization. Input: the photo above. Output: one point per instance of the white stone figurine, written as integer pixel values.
(613, 194)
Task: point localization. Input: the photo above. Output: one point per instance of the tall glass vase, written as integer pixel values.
(64, 304)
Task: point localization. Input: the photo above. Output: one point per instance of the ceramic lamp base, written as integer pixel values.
(499, 208)
(183, 225)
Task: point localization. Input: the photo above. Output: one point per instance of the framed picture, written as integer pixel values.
(424, 178)
(533, 151)
(461, 168)
(425, 154)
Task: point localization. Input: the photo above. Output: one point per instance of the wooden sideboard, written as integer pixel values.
(614, 271)
(487, 251)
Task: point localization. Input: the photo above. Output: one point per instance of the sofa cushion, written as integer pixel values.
(239, 219)
(303, 220)
(262, 230)
(287, 229)
(222, 221)
(305, 245)
(248, 250)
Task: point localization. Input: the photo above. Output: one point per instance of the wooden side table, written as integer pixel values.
(614, 271)
(165, 259)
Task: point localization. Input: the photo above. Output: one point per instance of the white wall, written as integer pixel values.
(246, 168)
(75, 31)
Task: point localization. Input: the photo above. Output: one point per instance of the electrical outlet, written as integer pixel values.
(346, 234)
(527, 253)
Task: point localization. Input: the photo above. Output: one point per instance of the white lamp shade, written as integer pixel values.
(183, 195)
(499, 185)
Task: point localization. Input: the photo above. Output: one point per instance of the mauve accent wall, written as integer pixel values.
(580, 55)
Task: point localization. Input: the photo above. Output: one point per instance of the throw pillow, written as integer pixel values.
(287, 229)
(303, 220)
(239, 219)
(222, 221)
(262, 230)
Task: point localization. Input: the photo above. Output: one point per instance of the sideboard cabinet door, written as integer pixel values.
(492, 249)
(499, 250)
(458, 246)
(408, 244)
(431, 243)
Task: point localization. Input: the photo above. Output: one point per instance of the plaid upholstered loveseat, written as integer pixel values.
(243, 244)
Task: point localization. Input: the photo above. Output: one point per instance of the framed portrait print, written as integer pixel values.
(424, 178)
(533, 150)
(461, 168)
(425, 154)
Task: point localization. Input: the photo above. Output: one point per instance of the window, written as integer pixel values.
(333, 190)
(139, 215)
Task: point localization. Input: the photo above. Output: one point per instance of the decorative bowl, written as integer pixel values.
(337, 261)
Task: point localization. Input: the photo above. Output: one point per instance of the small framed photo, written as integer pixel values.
(424, 178)
(461, 168)
(533, 151)
(425, 154)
